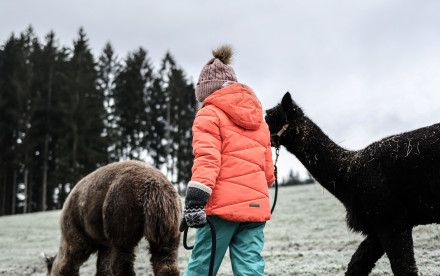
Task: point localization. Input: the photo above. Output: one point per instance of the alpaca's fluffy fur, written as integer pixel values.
(387, 188)
(109, 211)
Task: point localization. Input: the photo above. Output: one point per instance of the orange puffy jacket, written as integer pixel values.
(233, 158)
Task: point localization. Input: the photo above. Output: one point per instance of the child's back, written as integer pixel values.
(232, 171)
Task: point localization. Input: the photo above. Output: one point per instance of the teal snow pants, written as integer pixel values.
(244, 239)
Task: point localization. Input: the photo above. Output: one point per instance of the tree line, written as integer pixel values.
(65, 112)
(294, 179)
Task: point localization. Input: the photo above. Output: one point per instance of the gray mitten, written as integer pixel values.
(195, 217)
(197, 196)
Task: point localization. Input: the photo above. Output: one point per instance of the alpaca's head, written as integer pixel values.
(284, 114)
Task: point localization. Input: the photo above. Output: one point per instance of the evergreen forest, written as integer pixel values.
(64, 112)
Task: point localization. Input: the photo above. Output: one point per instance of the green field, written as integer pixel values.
(306, 236)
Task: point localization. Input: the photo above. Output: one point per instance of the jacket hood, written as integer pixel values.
(240, 104)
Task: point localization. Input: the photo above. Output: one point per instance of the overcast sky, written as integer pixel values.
(361, 70)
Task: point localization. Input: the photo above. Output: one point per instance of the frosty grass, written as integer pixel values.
(306, 236)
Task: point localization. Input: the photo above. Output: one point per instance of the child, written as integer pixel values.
(231, 174)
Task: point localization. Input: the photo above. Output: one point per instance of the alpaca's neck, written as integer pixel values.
(323, 158)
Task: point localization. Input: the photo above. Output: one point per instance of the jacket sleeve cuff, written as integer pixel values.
(197, 195)
(200, 186)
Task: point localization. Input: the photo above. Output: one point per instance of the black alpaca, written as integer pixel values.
(387, 188)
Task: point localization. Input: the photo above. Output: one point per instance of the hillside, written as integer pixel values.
(306, 236)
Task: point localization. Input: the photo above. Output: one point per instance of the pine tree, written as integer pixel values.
(157, 121)
(59, 168)
(47, 62)
(84, 144)
(22, 82)
(131, 97)
(107, 70)
(183, 112)
(168, 64)
(19, 79)
(181, 107)
(9, 116)
(36, 132)
(3, 133)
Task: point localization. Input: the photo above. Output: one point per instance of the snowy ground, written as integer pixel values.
(306, 236)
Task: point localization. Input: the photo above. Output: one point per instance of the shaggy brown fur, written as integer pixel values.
(109, 211)
(387, 188)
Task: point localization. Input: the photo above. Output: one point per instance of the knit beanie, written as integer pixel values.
(215, 73)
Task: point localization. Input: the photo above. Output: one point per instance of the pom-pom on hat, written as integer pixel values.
(215, 73)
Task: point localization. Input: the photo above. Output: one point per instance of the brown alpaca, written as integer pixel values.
(109, 211)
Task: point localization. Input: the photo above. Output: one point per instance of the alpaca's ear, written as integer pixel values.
(287, 105)
(45, 258)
